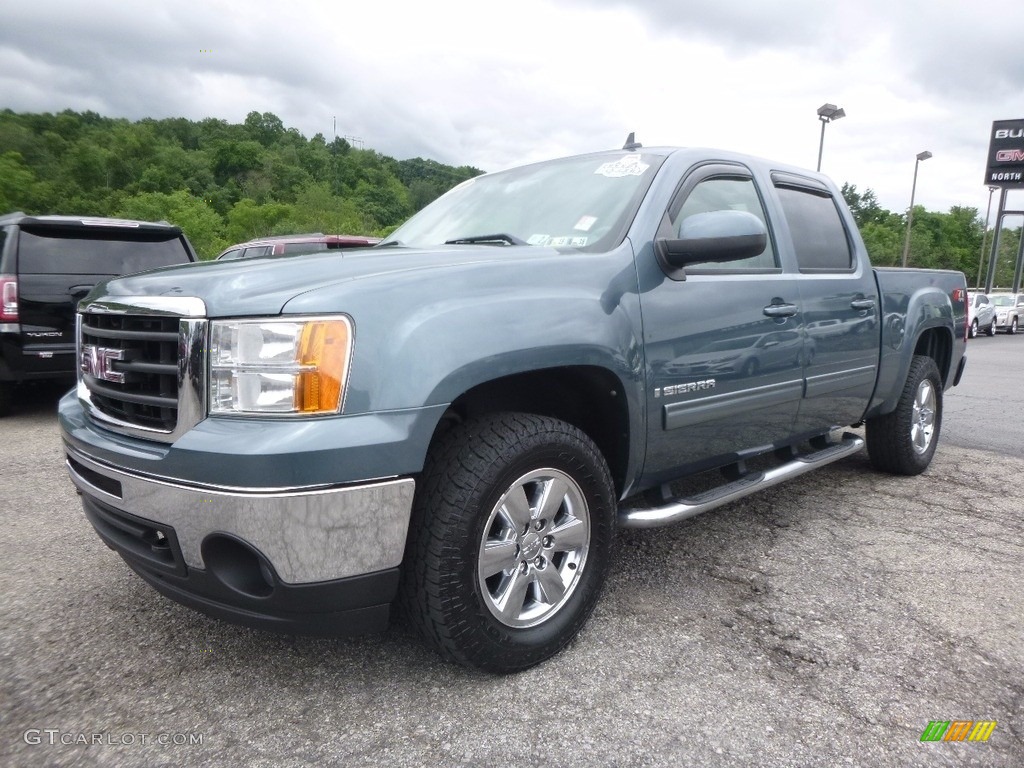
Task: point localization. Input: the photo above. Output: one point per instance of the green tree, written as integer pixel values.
(16, 182)
(248, 220)
(317, 210)
(864, 206)
(200, 223)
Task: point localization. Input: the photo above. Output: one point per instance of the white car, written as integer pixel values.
(981, 315)
(1008, 307)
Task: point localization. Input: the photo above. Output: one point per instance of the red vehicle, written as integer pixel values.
(310, 243)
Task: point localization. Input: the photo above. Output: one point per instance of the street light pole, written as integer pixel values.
(910, 214)
(984, 236)
(827, 113)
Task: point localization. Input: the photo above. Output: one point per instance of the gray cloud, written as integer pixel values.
(492, 88)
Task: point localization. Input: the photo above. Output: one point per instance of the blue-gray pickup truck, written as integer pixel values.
(455, 421)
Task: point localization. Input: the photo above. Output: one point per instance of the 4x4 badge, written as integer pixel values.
(98, 362)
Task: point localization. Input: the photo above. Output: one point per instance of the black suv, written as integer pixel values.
(48, 263)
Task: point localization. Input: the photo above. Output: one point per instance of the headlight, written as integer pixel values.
(282, 366)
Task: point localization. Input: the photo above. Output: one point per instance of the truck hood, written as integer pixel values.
(263, 286)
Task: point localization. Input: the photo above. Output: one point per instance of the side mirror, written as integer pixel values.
(718, 236)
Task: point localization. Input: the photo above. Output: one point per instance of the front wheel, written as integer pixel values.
(509, 542)
(903, 442)
(992, 328)
(1013, 327)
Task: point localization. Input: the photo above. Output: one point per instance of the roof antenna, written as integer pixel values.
(631, 142)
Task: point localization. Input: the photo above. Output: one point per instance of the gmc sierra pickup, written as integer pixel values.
(456, 420)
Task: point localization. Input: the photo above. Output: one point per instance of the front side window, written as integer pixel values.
(726, 194)
(578, 202)
(819, 236)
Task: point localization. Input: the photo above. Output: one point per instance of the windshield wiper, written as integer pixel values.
(501, 237)
(391, 244)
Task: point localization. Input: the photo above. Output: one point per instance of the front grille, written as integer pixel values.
(135, 380)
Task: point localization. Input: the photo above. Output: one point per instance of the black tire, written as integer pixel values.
(1013, 327)
(749, 368)
(973, 331)
(900, 442)
(992, 328)
(6, 397)
(466, 501)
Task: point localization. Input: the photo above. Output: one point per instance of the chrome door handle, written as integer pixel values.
(781, 310)
(862, 304)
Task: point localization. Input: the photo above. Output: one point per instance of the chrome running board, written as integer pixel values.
(680, 509)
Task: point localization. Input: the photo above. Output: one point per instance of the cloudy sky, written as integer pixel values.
(494, 84)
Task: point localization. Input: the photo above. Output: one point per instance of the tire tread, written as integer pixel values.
(459, 468)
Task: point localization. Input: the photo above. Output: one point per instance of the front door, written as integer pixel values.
(724, 344)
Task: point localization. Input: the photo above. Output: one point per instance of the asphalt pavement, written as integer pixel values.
(824, 622)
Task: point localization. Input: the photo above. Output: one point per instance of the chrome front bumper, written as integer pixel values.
(306, 535)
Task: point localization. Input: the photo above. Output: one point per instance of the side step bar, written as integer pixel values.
(680, 509)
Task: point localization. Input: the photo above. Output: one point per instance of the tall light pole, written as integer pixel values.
(827, 113)
(910, 214)
(984, 235)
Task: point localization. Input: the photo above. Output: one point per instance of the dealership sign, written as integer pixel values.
(1006, 154)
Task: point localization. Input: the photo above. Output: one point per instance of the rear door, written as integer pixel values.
(58, 266)
(724, 345)
(839, 297)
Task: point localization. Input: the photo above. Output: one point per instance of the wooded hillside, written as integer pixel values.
(222, 183)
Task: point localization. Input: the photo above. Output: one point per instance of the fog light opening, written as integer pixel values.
(238, 565)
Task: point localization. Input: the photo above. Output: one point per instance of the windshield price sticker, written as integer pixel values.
(538, 239)
(585, 223)
(630, 165)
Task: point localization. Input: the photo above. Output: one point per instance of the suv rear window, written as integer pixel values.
(75, 252)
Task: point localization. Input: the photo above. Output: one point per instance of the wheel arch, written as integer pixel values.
(936, 343)
(591, 398)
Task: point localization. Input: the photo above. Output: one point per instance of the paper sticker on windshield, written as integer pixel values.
(559, 242)
(629, 165)
(585, 223)
(578, 242)
(538, 239)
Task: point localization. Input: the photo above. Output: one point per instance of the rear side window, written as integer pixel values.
(259, 250)
(86, 253)
(819, 236)
(304, 247)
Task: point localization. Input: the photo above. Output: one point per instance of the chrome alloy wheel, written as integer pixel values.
(922, 423)
(534, 548)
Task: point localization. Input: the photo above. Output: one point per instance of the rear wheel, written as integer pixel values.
(6, 395)
(510, 540)
(973, 332)
(903, 442)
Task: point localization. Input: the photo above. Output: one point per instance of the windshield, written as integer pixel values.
(1003, 301)
(579, 202)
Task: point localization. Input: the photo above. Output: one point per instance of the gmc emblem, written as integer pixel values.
(98, 362)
